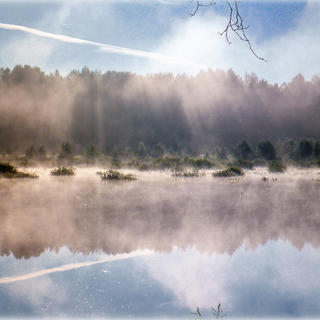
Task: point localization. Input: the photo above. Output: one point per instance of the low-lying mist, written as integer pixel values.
(157, 212)
(118, 108)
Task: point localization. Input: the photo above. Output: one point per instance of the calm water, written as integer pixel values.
(160, 247)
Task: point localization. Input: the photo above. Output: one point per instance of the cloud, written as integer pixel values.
(73, 266)
(295, 51)
(103, 47)
(261, 283)
(197, 39)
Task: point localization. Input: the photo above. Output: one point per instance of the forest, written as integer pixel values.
(214, 110)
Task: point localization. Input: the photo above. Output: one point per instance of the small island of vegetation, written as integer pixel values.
(9, 171)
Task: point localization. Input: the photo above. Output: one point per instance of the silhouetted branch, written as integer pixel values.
(235, 23)
(201, 5)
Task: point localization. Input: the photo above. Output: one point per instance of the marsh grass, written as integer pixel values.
(63, 171)
(229, 172)
(21, 174)
(174, 163)
(199, 163)
(7, 170)
(116, 175)
(218, 313)
(137, 164)
(188, 174)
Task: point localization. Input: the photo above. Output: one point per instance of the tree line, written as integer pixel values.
(214, 109)
(303, 152)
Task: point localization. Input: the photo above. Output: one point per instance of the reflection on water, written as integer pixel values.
(71, 246)
(276, 280)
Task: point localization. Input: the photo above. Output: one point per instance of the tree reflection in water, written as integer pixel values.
(87, 215)
(232, 241)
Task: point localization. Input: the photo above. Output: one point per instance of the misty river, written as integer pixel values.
(160, 247)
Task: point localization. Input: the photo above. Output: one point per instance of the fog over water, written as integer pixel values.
(157, 212)
(160, 246)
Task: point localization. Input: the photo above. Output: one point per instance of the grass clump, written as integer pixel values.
(9, 171)
(6, 167)
(218, 313)
(229, 172)
(116, 175)
(276, 166)
(63, 171)
(188, 174)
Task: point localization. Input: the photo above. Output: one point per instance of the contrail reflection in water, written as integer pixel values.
(74, 266)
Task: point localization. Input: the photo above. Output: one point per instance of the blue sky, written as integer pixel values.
(161, 36)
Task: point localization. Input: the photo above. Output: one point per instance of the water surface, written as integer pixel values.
(160, 247)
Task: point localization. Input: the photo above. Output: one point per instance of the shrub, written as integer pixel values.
(38, 152)
(6, 167)
(202, 163)
(221, 153)
(174, 163)
(241, 163)
(116, 175)
(21, 174)
(188, 174)
(30, 151)
(91, 152)
(116, 162)
(138, 165)
(63, 171)
(229, 172)
(66, 151)
(199, 163)
(259, 163)
(276, 166)
(9, 171)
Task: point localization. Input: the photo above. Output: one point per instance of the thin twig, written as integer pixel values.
(201, 5)
(235, 23)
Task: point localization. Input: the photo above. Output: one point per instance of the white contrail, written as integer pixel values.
(74, 266)
(104, 47)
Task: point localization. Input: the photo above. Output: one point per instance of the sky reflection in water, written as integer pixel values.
(258, 257)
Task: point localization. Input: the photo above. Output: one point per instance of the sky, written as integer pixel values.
(151, 36)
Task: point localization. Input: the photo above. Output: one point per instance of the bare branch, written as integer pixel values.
(201, 5)
(235, 24)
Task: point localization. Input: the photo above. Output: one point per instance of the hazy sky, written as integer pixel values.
(147, 36)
